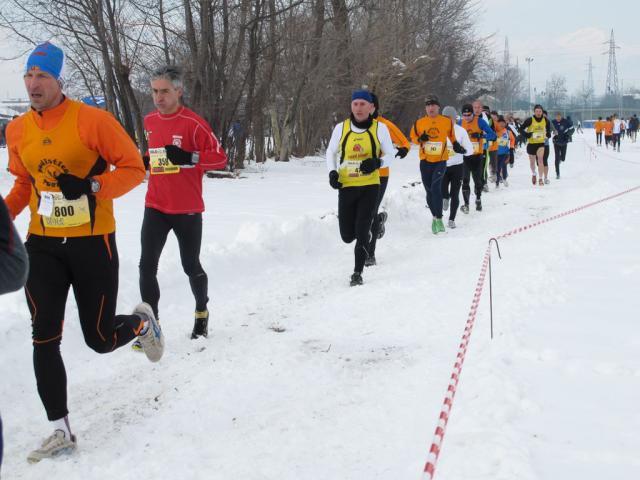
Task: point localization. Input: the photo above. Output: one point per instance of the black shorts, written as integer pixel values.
(532, 148)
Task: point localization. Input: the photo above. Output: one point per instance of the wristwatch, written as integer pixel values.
(95, 185)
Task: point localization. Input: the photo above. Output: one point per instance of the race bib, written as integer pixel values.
(476, 147)
(503, 142)
(352, 168)
(159, 164)
(432, 148)
(538, 136)
(58, 212)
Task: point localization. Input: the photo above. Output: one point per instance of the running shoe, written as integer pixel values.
(506, 183)
(440, 225)
(479, 205)
(452, 224)
(533, 179)
(152, 341)
(558, 176)
(434, 226)
(541, 182)
(356, 279)
(485, 188)
(53, 446)
(464, 208)
(200, 325)
(445, 204)
(370, 261)
(382, 219)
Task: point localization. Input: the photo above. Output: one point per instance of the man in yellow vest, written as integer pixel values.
(70, 161)
(537, 129)
(359, 146)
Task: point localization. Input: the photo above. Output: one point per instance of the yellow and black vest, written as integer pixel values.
(538, 130)
(354, 148)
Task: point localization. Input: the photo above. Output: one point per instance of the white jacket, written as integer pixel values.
(463, 139)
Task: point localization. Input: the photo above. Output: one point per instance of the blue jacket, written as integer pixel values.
(564, 129)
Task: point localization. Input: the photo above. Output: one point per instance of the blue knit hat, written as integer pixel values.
(362, 95)
(48, 58)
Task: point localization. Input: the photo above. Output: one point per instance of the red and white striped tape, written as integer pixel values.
(434, 451)
(445, 412)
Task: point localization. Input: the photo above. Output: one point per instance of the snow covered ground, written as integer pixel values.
(306, 378)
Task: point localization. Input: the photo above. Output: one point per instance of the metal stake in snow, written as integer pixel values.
(490, 283)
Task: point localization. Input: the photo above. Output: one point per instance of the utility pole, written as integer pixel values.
(529, 60)
(590, 89)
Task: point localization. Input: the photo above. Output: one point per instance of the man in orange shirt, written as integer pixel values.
(403, 146)
(608, 131)
(599, 126)
(70, 161)
(431, 133)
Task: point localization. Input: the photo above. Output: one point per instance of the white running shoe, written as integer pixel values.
(152, 340)
(546, 181)
(53, 446)
(445, 204)
(505, 182)
(452, 224)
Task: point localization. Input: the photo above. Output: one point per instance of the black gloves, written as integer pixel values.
(333, 180)
(146, 160)
(459, 148)
(424, 137)
(178, 156)
(369, 165)
(73, 187)
(527, 134)
(402, 152)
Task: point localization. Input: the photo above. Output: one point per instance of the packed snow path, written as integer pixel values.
(304, 377)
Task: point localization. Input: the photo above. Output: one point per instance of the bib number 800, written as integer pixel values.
(67, 211)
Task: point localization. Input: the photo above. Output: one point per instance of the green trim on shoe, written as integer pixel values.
(434, 226)
(440, 225)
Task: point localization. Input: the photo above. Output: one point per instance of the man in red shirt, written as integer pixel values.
(182, 147)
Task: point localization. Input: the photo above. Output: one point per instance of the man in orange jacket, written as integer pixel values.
(431, 133)
(70, 161)
(403, 146)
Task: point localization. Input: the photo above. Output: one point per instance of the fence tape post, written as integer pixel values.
(490, 282)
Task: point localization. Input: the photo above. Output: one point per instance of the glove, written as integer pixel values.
(424, 137)
(369, 165)
(333, 180)
(146, 160)
(459, 148)
(73, 187)
(402, 152)
(178, 156)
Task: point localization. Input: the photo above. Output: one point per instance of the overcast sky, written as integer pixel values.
(560, 35)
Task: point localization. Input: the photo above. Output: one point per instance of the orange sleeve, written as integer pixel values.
(452, 132)
(397, 137)
(100, 131)
(512, 139)
(414, 132)
(18, 198)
